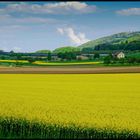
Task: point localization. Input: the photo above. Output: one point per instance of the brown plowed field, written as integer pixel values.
(68, 70)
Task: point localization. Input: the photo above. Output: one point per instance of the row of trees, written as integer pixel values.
(128, 46)
(66, 53)
(127, 60)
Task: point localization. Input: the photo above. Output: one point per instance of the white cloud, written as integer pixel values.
(129, 12)
(77, 39)
(34, 20)
(4, 16)
(16, 49)
(10, 30)
(60, 30)
(4, 48)
(53, 8)
(7, 19)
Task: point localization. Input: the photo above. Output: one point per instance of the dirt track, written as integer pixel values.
(69, 70)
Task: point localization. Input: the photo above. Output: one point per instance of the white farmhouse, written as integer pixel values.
(119, 55)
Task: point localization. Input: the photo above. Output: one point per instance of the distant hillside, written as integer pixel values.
(43, 51)
(66, 49)
(120, 41)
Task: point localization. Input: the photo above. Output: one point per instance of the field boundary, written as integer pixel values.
(67, 70)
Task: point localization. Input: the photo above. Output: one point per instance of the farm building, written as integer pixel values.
(55, 57)
(81, 57)
(119, 55)
(103, 54)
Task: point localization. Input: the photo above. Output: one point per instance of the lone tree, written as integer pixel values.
(108, 59)
(131, 60)
(96, 55)
(31, 60)
(49, 56)
(17, 58)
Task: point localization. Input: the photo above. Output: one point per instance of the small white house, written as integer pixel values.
(119, 55)
(55, 58)
(81, 57)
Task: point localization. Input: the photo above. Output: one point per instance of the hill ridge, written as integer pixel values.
(115, 39)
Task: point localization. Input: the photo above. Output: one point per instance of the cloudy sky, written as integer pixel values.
(31, 26)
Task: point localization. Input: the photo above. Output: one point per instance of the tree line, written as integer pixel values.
(127, 60)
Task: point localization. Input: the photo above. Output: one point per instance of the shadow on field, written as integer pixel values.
(21, 128)
(69, 70)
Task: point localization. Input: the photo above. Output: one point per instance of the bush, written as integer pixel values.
(107, 60)
(31, 60)
(131, 60)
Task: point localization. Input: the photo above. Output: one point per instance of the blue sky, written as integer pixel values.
(32, 26)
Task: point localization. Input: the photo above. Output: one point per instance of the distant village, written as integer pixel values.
(58, 57)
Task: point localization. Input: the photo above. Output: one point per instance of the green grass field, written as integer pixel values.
(25, 63)
(135, 55)
(84, 63)
(70, 106)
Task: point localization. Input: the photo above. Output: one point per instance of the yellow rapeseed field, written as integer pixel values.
(70, 63)
(88, 100)
(14, 61)
(52, 63)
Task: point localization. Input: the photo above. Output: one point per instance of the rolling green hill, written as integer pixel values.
(66, 49)
(43, 51)
(120, 41)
